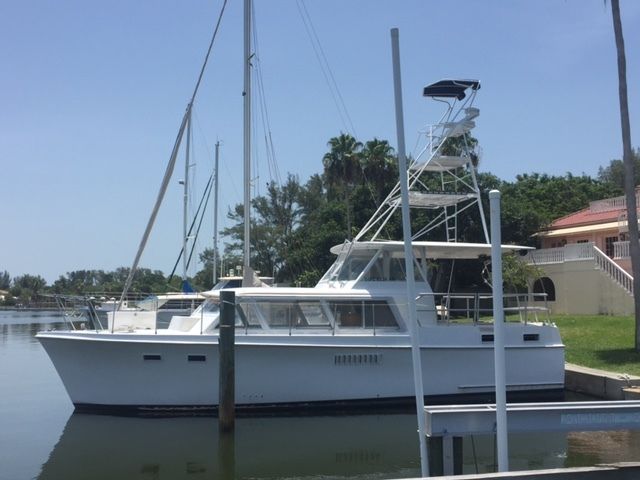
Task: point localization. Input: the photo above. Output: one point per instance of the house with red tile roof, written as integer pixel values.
(585, 259)
(603, 223)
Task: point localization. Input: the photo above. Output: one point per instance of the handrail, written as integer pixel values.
(617, 273)
(524, 305)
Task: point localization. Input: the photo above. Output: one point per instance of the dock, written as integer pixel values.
(618, 410)
(616, 471)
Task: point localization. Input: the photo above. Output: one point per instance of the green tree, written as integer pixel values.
(342, 170)
(534, 200)
(379, 167)
(614, 173)
(5, 280)
(203, 280)
(27, 288)
(276, 216)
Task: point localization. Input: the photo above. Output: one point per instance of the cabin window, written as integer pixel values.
(378, 314)
(247, 315)
(293, 314)
(376, 271)
(196, 358)
(314, 315)
(397, 270)
(280, 314)
(530, 337)
(179, 304)
(488, 337)
(151, 356)
(363, 314)
(545, 285)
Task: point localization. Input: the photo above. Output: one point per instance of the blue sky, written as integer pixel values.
(91, 97)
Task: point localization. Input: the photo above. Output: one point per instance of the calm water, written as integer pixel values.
(41, 437)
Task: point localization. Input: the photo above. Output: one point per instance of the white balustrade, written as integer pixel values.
(578, 251)
(546, 255)
(568, 253)
(621, 249)
(614, 270)
(609, 204)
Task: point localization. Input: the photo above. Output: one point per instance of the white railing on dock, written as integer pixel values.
(614, 270)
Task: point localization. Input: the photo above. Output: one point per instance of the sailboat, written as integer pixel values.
(345, 341)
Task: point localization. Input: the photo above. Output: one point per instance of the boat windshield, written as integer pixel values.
(207, 307)
(354, 266)
(348, 267)
(373, 266)
(150, 303)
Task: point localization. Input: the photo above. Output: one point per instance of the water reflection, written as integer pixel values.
(359, 446)
(94, 446)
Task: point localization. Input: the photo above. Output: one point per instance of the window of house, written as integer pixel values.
(608, 245)
(582, 241)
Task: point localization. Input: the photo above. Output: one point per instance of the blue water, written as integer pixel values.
(41, 437)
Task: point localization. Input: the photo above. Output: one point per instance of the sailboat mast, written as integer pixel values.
(247, 133)
(185, 202)
(215, 217)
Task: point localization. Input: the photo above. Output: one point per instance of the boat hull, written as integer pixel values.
(101, 370)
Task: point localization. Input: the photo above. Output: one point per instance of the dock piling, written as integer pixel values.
(226, 344)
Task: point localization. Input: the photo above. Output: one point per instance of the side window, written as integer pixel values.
(347, 314)
(246, 316)
(363, 314)
(378, 314)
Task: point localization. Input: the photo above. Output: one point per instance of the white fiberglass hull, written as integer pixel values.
(141, 370)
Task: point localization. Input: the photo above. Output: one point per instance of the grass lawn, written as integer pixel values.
(600, 341)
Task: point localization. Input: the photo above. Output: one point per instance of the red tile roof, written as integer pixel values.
(586, 217)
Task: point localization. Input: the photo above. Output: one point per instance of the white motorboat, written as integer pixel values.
(345, 341)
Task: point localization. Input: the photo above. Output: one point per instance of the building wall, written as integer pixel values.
(598, 238)
(583, 289)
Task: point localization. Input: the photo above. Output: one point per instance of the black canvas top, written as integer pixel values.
(450, 88)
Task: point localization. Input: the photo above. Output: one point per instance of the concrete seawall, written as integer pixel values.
(601, 384)
(617, 471)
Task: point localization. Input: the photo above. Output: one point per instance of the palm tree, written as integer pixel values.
(342, 169)
(378, 164)
(629, 164)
